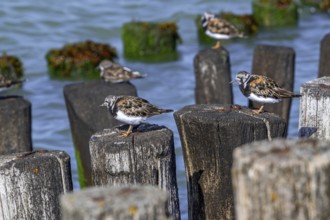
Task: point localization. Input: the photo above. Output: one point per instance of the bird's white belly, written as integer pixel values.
(261, 99)
(217, 36)
(132, 120)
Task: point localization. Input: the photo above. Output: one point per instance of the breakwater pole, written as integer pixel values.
(314, 119)
(212, 74)
(31, 184)
(117, 202)
(278, 63)
(147, 156)
(15, 129)
(324, 67)
(282, 179)
(86, 117)
(209, 134)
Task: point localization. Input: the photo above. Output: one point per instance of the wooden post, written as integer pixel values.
(277, 63)
(120, 203)
(212, 73)
(15, 129)
(282, 179)
(314, 120)
(324, 68)
(209, 134)
(86, 117)
(31, 183)
(147, 157)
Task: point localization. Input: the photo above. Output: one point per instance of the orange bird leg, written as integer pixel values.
(217, 45)
(128, 132)
(261, 109)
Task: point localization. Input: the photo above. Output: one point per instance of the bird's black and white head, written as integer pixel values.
(205, 18)
(110, 101)
(242, 77)
(105, 64)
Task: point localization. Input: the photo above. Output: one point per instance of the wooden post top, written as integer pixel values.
(211, 113)
(314, 86)
(117, 202)
(282, 150)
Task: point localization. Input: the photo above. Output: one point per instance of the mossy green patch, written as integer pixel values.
(320, 4)
(148, 41)
(275, 13)
(11, 67)
(78, 60)
(81, 175)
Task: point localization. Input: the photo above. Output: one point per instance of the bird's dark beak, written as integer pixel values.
(231, 82)
(104, 104)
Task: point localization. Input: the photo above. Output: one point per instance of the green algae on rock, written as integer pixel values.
(11, 67)
(275, 13)
(244, 23)
(323, 5)
(150, 42)
(78, 60)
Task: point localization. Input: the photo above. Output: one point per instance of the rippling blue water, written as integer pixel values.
(28, 29)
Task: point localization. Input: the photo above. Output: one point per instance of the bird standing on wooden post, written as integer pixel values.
(131, 110)
(218, 28)
(261, 89)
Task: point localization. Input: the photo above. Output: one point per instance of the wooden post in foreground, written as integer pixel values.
(324, 67)
(314, 119)
(118, 203)
(15, 129)
(146, 157)
(212, 73)
(83, 102)
(282, 179)
(31, 183)
(277, 63)
(209, 134)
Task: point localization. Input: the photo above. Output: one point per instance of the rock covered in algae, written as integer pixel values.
(149, 41)
(323, 5)
(244, 22)
(78, 60)
(275, 13)
(11, 67)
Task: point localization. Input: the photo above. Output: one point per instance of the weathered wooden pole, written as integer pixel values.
(314, 119)
(324, 67)
(212, 73)
(118, 202)
(86, 117)
(278, 63)
(31, 183)
(146, 157)
(282, 179)
(15, 129)
(209, 134)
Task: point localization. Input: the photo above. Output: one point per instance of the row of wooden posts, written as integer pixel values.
(267, 178)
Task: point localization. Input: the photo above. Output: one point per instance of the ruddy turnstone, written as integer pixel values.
(6, 83)
(115, 73)
(218, 28)
(261, 89)
(131, 110)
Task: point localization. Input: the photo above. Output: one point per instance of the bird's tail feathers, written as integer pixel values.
(166, 110)
(138, 74)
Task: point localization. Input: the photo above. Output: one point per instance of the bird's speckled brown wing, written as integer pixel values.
(135, 106)
(266, 87)
(119, 73)
(5, 82)
(221, 26)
